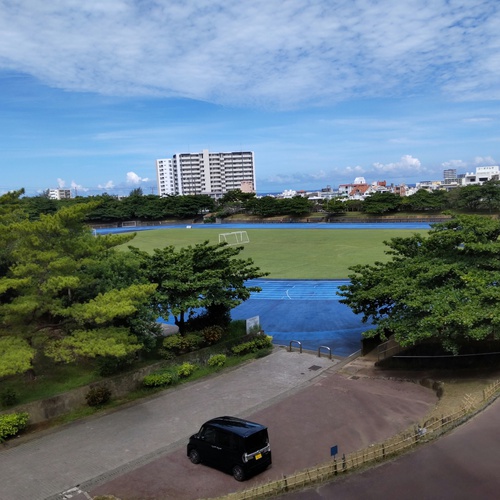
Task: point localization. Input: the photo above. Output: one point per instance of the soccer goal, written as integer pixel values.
(234, 238)
(129, 223)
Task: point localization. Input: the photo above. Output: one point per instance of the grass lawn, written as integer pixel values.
(291, 253)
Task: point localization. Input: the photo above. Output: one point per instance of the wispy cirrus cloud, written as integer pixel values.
(256, 53)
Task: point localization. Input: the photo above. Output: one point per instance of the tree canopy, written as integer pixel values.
(64, 292)
(208, 276)
(442, 287)
(380, 203)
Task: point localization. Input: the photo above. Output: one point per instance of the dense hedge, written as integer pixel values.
(11, 424)
(257, 343)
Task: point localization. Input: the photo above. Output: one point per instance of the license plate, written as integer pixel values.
(259, 455)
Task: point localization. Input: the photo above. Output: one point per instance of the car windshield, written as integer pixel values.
(256, 441)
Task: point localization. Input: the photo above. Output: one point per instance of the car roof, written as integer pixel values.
(236, 425)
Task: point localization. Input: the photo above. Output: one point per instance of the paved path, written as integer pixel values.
(459, 466)
(333, 409)
(109, 445)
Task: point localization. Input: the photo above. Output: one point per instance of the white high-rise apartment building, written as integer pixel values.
(165, 177)
(208, 173)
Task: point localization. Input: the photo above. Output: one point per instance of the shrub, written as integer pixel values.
(254, 345)
(110, 365)
(157, 379)
(212, 334)
(179, 344)
(217, 360)
(262, 353)
(11, 424)
(98, 395)
(173, 342)
(166, 354)
(186, 369)
(9, 398)
(193, 341)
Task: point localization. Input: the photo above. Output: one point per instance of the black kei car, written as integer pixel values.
(231, 444)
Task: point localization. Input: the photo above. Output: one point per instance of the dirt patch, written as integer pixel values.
(454, 388)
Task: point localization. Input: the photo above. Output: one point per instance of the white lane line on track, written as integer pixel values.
(288, 295)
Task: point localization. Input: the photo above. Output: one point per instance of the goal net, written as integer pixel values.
(234, 238)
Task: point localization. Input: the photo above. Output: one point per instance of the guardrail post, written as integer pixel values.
(324, 347)
(296, 342)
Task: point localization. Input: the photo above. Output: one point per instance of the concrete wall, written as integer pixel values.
(56, 406)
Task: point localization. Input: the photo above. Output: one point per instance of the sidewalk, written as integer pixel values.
(104, 447)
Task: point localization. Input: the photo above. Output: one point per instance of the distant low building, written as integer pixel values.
(429, 185)
(481, 175)
(288, 193)
(59, 194)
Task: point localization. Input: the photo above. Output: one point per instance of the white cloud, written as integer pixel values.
(280, 54)
(355, 171)
(133, 178)
(61, 183)
(78, 188)
(454, 164)
(107, 185)
(408, 164)
(486, 161)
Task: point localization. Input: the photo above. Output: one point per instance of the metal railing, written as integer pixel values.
(295, 342)
(324, 347)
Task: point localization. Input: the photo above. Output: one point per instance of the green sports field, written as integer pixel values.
(291, 253)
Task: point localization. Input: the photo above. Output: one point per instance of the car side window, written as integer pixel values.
(208, 434)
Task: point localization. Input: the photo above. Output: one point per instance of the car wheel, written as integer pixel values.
(238, 473)
(194, 456)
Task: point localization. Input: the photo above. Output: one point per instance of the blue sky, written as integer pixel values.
(323, 91)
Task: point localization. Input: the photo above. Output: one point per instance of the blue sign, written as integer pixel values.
(334, 450)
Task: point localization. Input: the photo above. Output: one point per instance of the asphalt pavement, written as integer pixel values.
(97, 449)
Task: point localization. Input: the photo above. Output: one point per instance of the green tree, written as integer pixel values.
(201, 276)
(267, 206)
(354, 205)
(235, 196)
(192, 205)
(469, 197)
(441, 287)
(380, 203)
(490, 195)
(107, 208)
(34, 206)
(51, 297)
(234, 201)
(336, 206)
(424, 200)
(298, 206)
(10, 203)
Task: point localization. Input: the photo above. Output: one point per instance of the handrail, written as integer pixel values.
(324, 347)
(296, 341)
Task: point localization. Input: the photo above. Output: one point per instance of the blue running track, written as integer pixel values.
(307, 311)
(271, 225)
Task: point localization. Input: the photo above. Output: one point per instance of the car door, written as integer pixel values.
(209, 449)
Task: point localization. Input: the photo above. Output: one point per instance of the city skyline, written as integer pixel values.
(93, 93)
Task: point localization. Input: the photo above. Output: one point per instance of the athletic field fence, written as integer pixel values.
(424, 432)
